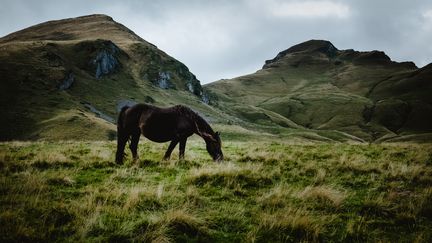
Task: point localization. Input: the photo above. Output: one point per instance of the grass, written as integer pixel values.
(268, 191)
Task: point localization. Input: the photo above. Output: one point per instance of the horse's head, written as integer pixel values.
(213, 144)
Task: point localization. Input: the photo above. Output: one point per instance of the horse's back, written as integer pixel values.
(164, 124)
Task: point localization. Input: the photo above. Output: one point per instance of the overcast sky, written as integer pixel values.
(228, 38)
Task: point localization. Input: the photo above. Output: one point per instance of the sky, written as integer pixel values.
(219, 39)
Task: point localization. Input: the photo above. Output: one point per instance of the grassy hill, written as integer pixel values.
(315, 86)
(66, 79)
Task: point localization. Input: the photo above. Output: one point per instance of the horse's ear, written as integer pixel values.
(217, 136)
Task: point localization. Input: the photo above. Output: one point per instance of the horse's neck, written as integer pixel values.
(202, 126)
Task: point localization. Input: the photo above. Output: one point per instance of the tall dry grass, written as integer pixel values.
(265, 191)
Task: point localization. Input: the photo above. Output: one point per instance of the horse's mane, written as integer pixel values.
(192, 115)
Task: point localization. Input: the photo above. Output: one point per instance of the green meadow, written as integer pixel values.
(264, 191)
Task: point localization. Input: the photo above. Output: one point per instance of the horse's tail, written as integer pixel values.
(121, 118)
(121, 135)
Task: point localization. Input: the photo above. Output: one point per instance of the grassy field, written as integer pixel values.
(268, 191)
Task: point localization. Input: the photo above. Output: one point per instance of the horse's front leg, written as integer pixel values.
(182, 148)
(134, 145)
(170, 149)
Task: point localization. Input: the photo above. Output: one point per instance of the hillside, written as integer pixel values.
(317, 87)
(66, 79)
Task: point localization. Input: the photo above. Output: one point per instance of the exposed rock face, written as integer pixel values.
(163, 71)
(106, 62)
(67, 82)
(190, 87)
(123, 103)
(163, 80)
(98, 113)
(205, 98)
(193, 85)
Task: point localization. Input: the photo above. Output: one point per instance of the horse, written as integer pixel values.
(174, 124)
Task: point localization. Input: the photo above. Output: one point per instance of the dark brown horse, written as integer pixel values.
(160, 125)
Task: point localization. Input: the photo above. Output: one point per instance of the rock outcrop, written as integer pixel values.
(106, 61)
(67, 82)
(163, 80)
(123, 103)
(98, 113)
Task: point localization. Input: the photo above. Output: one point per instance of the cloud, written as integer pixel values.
(427, 20)
(427, 14)
(308, 9)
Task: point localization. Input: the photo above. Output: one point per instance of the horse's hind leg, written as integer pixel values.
(134, 145)
(170, 149)
(121, 143)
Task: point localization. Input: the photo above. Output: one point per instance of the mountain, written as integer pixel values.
(66, 79)
(317, 87)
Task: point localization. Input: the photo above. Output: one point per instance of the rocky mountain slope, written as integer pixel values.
(314, 85)
(66, 79)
